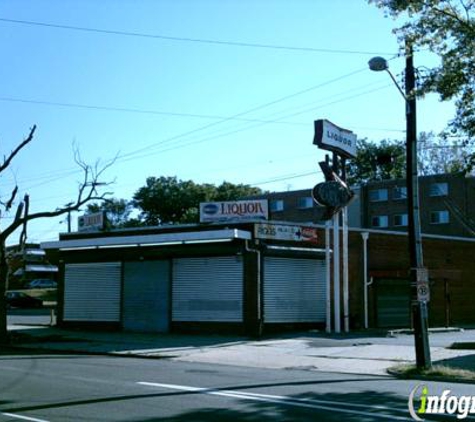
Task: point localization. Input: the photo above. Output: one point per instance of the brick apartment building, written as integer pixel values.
(447, 205)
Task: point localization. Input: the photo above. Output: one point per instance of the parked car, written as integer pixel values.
(22, 300)
(42, 283)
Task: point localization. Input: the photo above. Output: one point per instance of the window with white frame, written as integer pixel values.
(400, 220)
(379, 221)
(439, 189)
(277, 205)
(376, 195)
(399, 193)
(439, 217)
(305, 202)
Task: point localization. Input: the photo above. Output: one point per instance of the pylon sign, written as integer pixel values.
(332, 194)
(334, 138)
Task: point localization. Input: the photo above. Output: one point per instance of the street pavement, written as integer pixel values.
(368, 353)
(61, 388)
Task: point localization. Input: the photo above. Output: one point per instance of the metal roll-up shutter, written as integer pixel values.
(146, 296)
(208, 289)
(294, 290)
(393, 303)
(92, 292)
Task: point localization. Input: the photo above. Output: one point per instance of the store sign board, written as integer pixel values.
(91, 222)
(286, 232)
(333, 138)
(211, 212)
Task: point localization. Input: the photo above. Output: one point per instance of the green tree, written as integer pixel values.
(167, 200)
(377, 161)
(447, 28)
(437, 155)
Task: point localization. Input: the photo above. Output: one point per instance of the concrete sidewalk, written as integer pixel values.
(356, 353)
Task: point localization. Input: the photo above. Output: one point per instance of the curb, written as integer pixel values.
(396, 374)
(394, 333)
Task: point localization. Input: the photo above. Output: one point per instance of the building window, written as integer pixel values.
(277, 205)
(439, 217)
(379, 221)
(376, 195)
(306, 202)
(400, 220)
(439, 189)
(399, 193)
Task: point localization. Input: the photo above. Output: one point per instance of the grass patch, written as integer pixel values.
(437, 372)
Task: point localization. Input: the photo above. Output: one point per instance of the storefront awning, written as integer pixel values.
(181, 238)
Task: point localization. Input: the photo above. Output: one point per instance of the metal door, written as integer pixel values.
(294, 290)
(92, 292)
(146, 296)
(393, 303)
(208, 289)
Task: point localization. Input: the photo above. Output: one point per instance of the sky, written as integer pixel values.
(204, 90)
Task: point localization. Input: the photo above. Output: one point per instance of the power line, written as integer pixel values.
(133, 156)
(252, 110)
(286, 177)
(136, 110)
(188, 39)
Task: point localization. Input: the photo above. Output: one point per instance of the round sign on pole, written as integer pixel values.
(331, 194)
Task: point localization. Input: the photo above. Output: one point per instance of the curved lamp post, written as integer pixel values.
(418, 274)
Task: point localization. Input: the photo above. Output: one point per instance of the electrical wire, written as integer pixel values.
(137, 111)
(187, 39)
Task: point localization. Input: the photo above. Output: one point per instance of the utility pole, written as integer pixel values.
(418, 274)
(69, 221)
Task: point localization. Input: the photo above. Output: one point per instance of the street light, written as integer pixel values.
(418, 274)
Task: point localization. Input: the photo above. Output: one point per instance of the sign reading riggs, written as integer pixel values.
(91, 222)
(211, 212)
(286, 232)
(333, 138)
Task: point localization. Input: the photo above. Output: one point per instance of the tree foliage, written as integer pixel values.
(437, 155)
(377, 161)
(447, 28)
(167, 200)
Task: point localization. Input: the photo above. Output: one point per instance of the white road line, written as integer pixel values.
(286, 400)
(25, 418)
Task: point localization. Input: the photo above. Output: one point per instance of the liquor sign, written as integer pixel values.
(91, 222)
(333, 138)
(212, 212)
(286, 232)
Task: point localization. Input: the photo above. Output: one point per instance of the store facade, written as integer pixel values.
(192, 278)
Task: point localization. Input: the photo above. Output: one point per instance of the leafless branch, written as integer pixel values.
(26, 141)
(87, 191)
(9, 203)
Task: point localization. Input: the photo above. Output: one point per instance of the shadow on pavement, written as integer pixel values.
(368, 406)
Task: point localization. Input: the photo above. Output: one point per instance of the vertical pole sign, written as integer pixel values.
(335, 195)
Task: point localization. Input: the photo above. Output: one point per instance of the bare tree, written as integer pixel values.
(87, 191)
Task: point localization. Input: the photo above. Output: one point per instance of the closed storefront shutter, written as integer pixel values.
(208, 289)
(92, 292)
(146, 296)
(393, 303)
(294, 290)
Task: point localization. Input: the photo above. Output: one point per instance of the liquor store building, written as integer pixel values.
(244, 277)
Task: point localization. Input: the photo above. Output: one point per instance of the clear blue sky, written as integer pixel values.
(200, 110)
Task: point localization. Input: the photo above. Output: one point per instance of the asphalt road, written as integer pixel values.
(51, 388)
